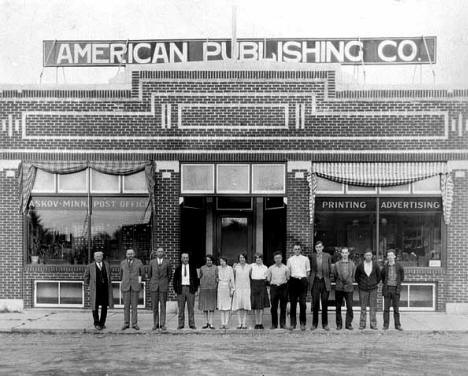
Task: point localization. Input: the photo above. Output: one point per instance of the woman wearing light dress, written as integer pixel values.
(241, 299)
(225, 290)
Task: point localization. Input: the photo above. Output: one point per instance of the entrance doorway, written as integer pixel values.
(234, 235)
(230, 225)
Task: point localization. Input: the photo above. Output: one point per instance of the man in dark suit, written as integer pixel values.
(392, 275)
(159, 274)
(98, 277)
(131, 272)
(186, 285)
(320, 269)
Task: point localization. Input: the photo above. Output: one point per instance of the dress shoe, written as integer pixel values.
(385, 328)
(163, 328)
(206, 326)
(136, 327)
(339, 327)
(261, 326)
(192, 327)
(240, 327)
(398, 328)
(303, 327)
(326, 327)
(273, 327)
(349, 327)
(180, 327)
(125, 327)
(155, 327)
(373, 327)
(212, 327)
(103, 326)
(98, 327)
(313, 327)
(256, 326)
(283, 327)
(292, 327)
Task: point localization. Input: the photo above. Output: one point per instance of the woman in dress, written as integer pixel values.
(259, 294)
(225, 290)
(241, 299)
(208, 290)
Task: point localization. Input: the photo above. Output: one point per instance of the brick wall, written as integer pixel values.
(11, 251)
(457, 243)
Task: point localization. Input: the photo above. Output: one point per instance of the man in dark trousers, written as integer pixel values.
(131, 272)
(320, 269)
(343, 271)
(392, 276)
(159, 274)
(368, 277)
(185, 286)
(98, 277)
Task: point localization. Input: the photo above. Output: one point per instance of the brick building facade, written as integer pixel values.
(234, 123)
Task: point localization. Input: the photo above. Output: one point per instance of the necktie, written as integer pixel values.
(185, 270)
(99, 265)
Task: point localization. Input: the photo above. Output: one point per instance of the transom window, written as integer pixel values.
(233, 179)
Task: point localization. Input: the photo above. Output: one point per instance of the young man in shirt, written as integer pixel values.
(278, 276)
(368, 278)
(299, 269)
(344, 276)
(392, 276)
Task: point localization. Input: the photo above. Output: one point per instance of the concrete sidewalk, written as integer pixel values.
(80, 321)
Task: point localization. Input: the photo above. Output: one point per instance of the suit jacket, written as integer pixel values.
(326, 269)
(194, 281)
(129, 275)
(159, 275)
(364, 282)
(89, 278)
(400, 277)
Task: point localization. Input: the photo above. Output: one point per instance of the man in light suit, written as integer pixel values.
(131, 272)
(320, 270)
(159, 274)
(98, 277)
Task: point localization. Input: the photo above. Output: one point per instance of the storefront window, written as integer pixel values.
(63, 230)
(120, 223)
(233, 178)
(268, 178)
(412, 227)
(58, 230)
(345, 222)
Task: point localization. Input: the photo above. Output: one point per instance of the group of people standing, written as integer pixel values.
(243, 287)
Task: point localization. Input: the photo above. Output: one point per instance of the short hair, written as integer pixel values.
(297, 244)
(318, 242)
(391, 251)
(184, 253)
(223, 258)
(258, 255)
(278, 253)
(369, 251)
(342, 249)
(98, 252)
(244, 254)
(130, 249)
(209, 257)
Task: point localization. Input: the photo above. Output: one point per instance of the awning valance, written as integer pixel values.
(28, 172)
(382, 175)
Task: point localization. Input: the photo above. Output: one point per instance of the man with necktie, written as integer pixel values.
(186, 285)
(131, 272)
(159, 274)
(98, 277)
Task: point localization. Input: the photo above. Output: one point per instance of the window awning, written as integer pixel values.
(28, 172)
(382, 175)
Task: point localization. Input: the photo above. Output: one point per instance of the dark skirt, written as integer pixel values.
(259, 295)
(207, 299)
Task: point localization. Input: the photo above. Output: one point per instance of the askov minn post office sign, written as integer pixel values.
(66, 53)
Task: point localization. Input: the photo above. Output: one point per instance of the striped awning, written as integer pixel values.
(28, 171)
(382, 175)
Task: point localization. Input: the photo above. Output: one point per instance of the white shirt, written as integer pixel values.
(99, 264)
(185, 279)
(278, 275)
(368, 268)
(299, 266)
(160, 260)
(259, 271)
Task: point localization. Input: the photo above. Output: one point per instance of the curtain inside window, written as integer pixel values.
(28, 172)
(382, 175)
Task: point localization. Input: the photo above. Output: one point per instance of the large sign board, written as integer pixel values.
(347, 51)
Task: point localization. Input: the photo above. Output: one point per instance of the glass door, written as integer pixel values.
(234, 236)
